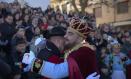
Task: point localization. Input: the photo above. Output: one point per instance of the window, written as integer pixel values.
(122, 7)
(98, 12)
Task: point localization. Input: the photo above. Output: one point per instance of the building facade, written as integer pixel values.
(114, 12)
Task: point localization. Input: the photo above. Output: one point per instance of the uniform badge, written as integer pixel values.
(36, 65)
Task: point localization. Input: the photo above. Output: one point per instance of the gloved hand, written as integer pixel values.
(93, 76)
(27, 60)
(28, 57)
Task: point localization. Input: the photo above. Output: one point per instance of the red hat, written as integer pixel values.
(80, 27)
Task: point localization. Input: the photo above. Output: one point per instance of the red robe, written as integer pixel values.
(82, 63)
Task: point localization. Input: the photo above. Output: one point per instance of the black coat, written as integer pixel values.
(5, 69)
(17, 58)
(49, 50)
(7, 31)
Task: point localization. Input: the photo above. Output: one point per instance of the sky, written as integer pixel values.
(34, 3)
(39, 3)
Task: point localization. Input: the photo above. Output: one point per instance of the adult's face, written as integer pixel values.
(9, 19)
(44, 20)
(21, 32)
(118, 29)
(71, 38)
(26, 18)
(106, 29)
(92, 34)
(17, 16)
(59, 41)
(35, 21)
(1, 20)
(98, 35)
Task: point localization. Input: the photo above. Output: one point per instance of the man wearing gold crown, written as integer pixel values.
(80, 60)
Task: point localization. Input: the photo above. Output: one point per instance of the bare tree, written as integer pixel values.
(83, 4)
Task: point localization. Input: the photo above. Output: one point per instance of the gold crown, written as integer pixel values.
(117, 45)
(80, 27)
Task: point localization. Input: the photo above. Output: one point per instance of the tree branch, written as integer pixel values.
(74, 5)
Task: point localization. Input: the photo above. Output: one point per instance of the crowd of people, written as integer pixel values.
(42, 34)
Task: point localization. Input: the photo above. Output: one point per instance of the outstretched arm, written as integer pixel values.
(56, 71)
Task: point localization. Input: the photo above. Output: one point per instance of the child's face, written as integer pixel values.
(21, 47)
(109, 47)
(103, 50)
(116, 50)
(37, 31)
(127, 34)
(44, 20)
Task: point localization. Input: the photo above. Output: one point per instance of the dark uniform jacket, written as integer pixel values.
(50, 53)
